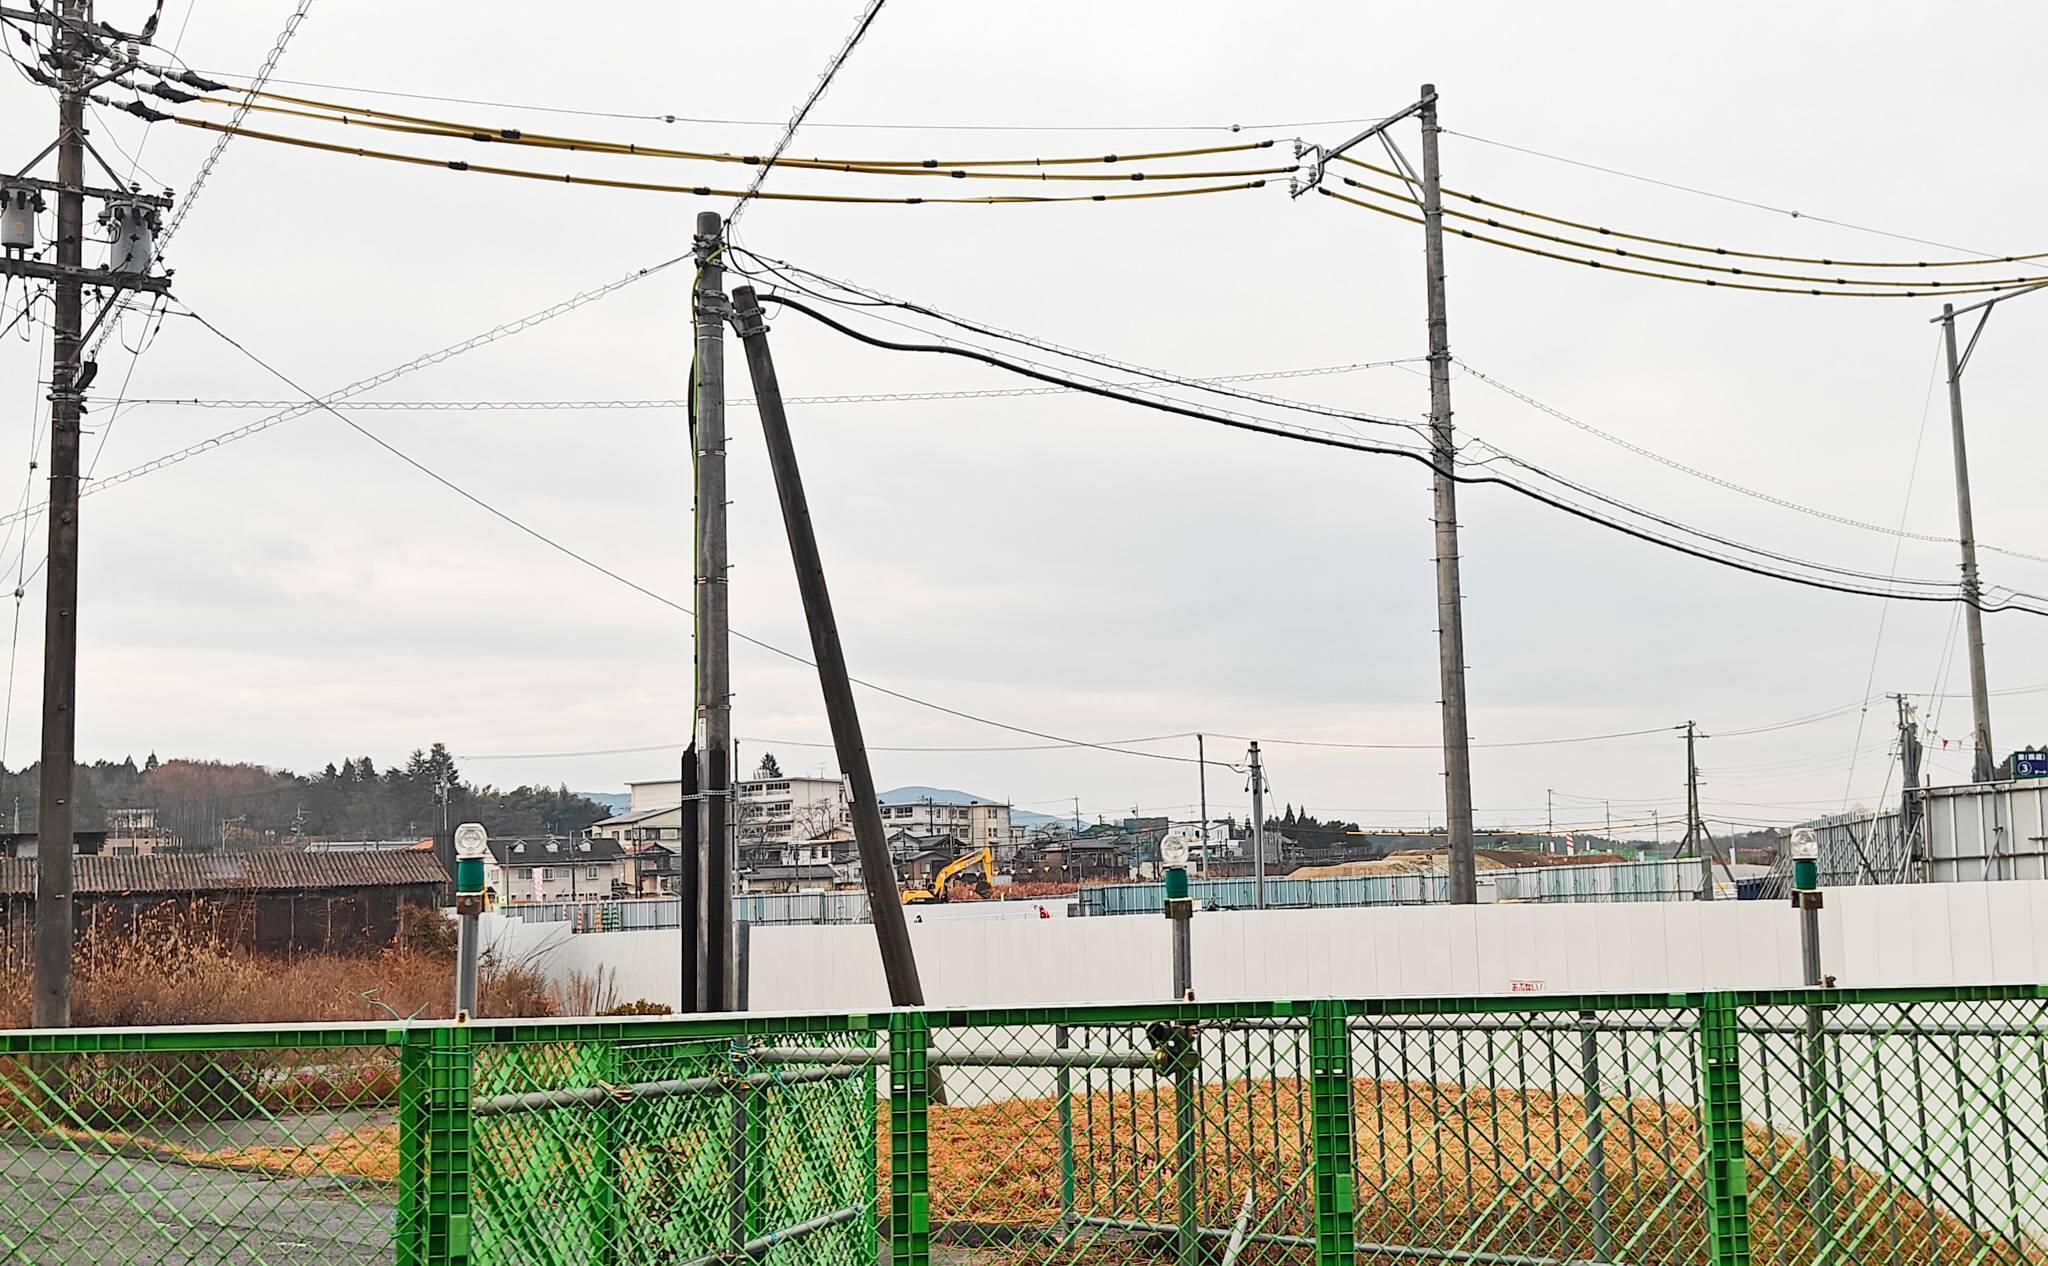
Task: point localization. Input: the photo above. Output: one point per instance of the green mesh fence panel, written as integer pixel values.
(1897, 1132)
(226, 1147)
(1153, 1136)
(622, 1152)
(1808, 1128)
(1570, 1134)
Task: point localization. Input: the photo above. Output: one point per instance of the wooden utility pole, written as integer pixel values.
(878, 872)
(1450, 616)
(716, 987)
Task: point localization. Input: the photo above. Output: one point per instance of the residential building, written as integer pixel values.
(555, 868)
(637, 826)
(772, 812)
(275, 901)
(134, 833)
(976, 821)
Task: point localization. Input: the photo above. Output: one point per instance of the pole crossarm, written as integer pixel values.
(1321, 157)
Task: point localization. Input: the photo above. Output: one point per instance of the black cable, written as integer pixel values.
(600, 568)
(1334, 441)
(873, 299)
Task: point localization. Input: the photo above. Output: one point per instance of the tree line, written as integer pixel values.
(211, 805)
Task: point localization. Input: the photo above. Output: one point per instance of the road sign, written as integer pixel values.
(2030, 764)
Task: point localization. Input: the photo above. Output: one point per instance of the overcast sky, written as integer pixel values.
(1068, 565)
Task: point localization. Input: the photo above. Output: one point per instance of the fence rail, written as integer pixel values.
(1665, 880)
(1802, 1128)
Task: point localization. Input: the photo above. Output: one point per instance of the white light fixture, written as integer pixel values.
(471, 840)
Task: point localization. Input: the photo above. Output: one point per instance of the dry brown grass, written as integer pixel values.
(1437, 1165)
(177, 968)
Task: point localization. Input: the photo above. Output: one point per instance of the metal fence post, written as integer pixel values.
(604, 1192)
(1596, 1133)
(1329, 1046)
(1185, 1054)
(1065, 1080)
(447, 1111)
(910, 1212)
(1727, 1167)
(413, 1081)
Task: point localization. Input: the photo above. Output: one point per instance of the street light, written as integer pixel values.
(471, 843)
(1180, 911)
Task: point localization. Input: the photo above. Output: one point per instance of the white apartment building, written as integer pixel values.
(975, 822)
(554, 868)
(772, 814)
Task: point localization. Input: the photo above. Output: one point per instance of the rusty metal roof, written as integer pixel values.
(280, 871)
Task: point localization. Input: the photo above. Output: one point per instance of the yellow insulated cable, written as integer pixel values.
(702, 191)
(1398, 196)
(518, 136)
(1476, 200)
(1693, 281)
(806, 165)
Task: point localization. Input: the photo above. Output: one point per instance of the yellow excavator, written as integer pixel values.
(943, 881)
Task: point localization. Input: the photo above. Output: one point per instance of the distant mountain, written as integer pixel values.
(615, 801)
(917, 795)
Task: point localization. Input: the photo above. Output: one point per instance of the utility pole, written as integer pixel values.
(709, 310)
(1966, 533)
(1911, 846)
(1696, 830)
(1450, 616)
(1549, 821)
(76, 52)
(878, 872)
(1258, 772)
(1202, 766)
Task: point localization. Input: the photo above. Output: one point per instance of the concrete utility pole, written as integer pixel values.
(54, 826)
(1258, 772)
(76, 51)
(1966, 532)
(1696, 830)
(1912, 848)
(1450, 616)
(878, 872)
(715, 985)
(1202, 768)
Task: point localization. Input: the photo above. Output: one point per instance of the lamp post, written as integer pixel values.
(471, 842)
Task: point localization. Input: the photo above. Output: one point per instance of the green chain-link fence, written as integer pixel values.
(1817, 1128)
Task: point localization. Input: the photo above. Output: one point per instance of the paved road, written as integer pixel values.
(59, 1207)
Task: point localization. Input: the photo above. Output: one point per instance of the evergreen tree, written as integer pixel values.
(770, 767)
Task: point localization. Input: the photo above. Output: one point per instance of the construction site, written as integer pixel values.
(1769, 987)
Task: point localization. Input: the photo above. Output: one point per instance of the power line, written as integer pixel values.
(712, 121)
(1988, 256)
(860, 29)
(1816, 291)
(1040, 167)
(262, 76)
(1431, 747)
(1718, 251)
(1723, 482)
(1918, 284)
(704, 191)
(1268, 427)
(315, 402)
(362, 385)
(875, 397)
